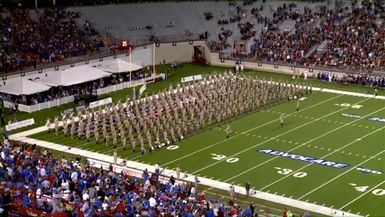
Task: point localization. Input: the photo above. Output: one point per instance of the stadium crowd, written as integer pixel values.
(50, 37)
(347, 36)
(33, 182)
(354, 38)
(363, 79)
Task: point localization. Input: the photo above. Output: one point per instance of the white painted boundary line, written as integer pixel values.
(273, 138)
(247, 131)
(342, 207)
(326, 90)
(337, 150)
(331, 180)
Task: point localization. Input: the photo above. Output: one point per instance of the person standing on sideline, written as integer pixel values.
(297, 106)
(232, 191)
(281, 118)
(247, 188)
(177, 171)
(115, 156)
(228, 131)
(196, 183)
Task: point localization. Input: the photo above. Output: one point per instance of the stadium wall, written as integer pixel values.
(180, 51)
(183, 52)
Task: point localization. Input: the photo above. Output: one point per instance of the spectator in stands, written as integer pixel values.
(41, 184)
(51, 38)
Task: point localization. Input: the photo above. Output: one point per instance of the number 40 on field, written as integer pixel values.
(364, 188)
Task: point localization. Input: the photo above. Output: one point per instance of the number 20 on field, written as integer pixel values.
(349, 105)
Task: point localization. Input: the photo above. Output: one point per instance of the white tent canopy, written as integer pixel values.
(22, 86)
(119, 66)
(72, 76)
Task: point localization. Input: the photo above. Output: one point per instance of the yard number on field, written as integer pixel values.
(378, 192)
(349, 105)
(286, 171)
(222, 157)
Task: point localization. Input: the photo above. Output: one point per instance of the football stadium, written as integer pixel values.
(192, 108)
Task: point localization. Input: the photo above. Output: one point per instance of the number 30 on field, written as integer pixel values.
(286, 171)
(222, 157)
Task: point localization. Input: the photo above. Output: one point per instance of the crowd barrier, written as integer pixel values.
(68, 99)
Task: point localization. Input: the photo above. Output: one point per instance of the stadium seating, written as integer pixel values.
(44, 36)
(310, 34)
(34, 182)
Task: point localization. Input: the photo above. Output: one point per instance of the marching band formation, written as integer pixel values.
(167, 117)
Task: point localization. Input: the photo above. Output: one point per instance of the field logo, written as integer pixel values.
(351, 115)
(376, 119)
(304, 158)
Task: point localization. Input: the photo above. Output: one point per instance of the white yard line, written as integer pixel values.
(249, 130)
(261, 143)
(331, 180)
(337, 150)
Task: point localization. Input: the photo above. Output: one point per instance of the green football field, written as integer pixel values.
(331, 152)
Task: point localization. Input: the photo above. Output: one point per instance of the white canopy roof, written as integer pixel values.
(118, 66)
(22, 86)
(72, 76)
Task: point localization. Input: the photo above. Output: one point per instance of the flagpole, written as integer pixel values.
(130, 53)
(153, 59)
